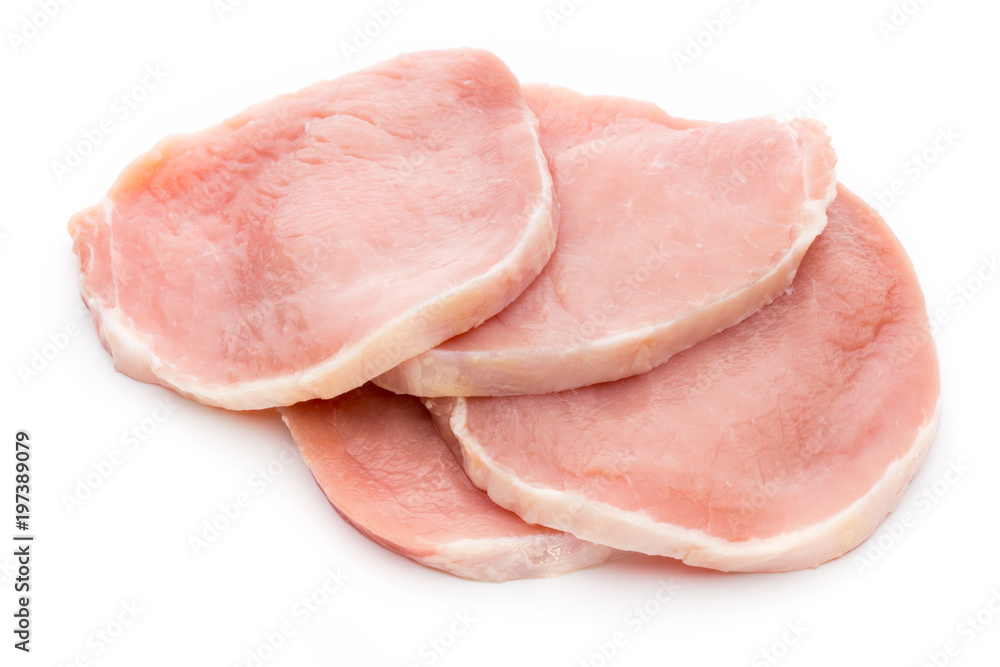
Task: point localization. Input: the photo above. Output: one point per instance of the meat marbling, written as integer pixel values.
(670, 231)
(778, 444)
(316, 240)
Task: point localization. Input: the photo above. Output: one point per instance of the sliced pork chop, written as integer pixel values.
(318, 239)
(778, 444)
(379, 460)
(670, 231)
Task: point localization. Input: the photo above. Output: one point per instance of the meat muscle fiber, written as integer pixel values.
(670, 231)
(778, 444)
(382, 465)
(316, 240)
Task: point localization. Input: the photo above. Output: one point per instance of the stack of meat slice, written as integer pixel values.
(386, 470)
(776, 445)
(314, 241)
(670, 231)
(725, 359)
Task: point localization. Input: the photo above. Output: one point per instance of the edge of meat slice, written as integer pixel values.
(515, 351)
(761, 481)
(446, 305)
(801, 549)
(385, 470)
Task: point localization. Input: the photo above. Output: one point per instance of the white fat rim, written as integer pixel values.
(508, 558)
(458, 379)
(636, 531)
(133, 354)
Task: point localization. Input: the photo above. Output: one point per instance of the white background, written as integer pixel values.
(887, 98)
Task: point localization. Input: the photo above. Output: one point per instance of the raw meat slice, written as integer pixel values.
(316, 240)
(670, 231)
(379, 460)
(779, 444)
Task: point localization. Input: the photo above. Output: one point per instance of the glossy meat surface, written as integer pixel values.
(313, 241)
(383, 466)
(778, 444)
(670, 231)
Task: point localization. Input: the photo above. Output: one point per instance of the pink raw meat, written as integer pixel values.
(379, 460)
(318, 239)
(778, 444)
(670, 231)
